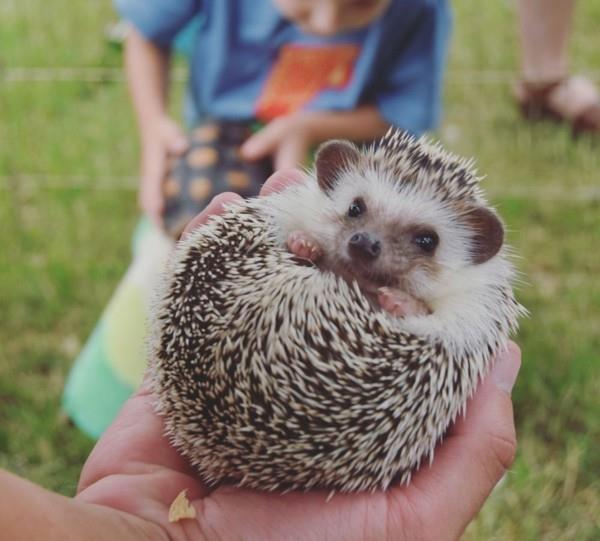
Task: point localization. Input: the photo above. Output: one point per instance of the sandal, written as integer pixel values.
(574, 100)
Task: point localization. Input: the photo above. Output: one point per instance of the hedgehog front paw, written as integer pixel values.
(301, 245)
(400, 304)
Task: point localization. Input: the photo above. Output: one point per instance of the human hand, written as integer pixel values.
(163, 142)
(134, 470)
(288, 139)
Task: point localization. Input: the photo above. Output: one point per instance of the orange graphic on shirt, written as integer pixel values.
(300, 73)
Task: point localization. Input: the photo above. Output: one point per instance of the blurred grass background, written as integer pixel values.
(68, 159)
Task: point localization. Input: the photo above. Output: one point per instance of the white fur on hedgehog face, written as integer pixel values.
(393, 215)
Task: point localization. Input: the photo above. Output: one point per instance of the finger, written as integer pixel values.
(146, 495)
(174, 138)
(281, 179)
(262, 143)
(216, 206)
(177, 146)
(473, 457)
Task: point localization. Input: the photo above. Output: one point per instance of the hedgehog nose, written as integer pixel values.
(364, 246)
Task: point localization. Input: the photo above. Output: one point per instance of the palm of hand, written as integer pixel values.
(134, 469)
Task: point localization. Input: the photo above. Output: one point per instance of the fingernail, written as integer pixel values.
(505, 370)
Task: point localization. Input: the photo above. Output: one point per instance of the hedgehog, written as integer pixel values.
(328, 335)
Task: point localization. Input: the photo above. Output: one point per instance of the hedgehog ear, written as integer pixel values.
(332, 157)
(488, 233)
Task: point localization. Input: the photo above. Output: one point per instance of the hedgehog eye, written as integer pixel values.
(357, 208)
(427, 241)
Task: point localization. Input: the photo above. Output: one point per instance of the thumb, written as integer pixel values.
(479, 448)
(174, 139)
(216, 206)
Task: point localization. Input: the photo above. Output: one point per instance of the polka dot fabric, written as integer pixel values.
(211, 165)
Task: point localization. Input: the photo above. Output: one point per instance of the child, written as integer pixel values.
(311, 69)
(308, 70)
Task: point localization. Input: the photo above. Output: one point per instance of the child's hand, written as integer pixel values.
(287, 139)
(164, 141)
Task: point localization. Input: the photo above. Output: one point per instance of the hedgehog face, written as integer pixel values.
(398, 234)
(381, 237)
(377, 244)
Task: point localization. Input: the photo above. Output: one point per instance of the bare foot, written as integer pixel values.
(401, 304)
(301, 245)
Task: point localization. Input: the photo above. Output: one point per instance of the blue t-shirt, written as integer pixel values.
(248, 61)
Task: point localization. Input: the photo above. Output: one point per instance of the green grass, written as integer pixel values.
(67, 206)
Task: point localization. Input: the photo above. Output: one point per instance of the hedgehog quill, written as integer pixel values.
(328, 335)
